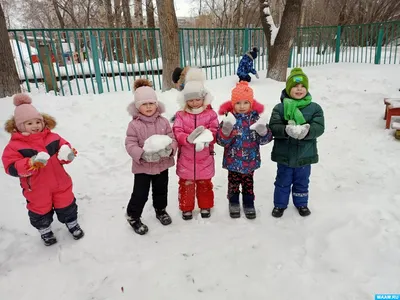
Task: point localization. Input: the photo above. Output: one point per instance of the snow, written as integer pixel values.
(270, 21)
(347, 249)
(64, 152)
(42, 156)
(262, 120)
(205, 137)
(229, 118)
(156, 143)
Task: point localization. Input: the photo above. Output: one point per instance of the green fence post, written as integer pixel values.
(337, 51)
(246, 40)
(290, 58)
(378, 51)
(95, 55)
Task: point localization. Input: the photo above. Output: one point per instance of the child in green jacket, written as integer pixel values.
(296, 123)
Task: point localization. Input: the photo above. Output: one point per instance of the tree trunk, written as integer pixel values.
(140, 38)
(9, 80)
(151, 24)
(279, 52)
(129, 45)
(169, 40)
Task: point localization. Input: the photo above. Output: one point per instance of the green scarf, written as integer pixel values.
(291, 109)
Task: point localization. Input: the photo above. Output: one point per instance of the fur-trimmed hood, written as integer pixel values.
(134, 112)
(227, 107)
(49, 122)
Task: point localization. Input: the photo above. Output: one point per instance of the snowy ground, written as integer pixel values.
(349, 248)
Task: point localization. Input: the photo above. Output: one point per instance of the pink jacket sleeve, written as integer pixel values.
(132, 144)
(169, 132)
(15, 164)
(179, 131)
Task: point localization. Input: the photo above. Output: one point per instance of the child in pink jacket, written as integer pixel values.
(195, 163)
(151, 166)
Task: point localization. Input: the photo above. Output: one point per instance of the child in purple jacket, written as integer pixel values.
(150, 166)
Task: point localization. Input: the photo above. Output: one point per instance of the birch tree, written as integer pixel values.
(280, 40)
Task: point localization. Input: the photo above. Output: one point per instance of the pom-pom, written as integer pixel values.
(22, 99)
(141, 82)
(195, 74)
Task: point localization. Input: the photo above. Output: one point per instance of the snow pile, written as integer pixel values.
(156, 143)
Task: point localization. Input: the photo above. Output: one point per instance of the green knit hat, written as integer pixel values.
(296, 76)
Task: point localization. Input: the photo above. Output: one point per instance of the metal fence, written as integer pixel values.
(82, 61)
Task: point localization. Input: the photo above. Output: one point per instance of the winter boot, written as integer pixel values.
(163, 216)
(75, 230)
(248, 206)
(234, 206)
(205, 213)
(278, 212)
(137, 225)
(187, 215)
(303, 211)
(47, 236)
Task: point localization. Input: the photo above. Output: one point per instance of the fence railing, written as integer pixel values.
(82, 61)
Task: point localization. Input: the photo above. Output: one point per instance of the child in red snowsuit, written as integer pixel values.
(36, 156)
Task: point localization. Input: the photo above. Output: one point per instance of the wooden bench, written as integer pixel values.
(392, 108)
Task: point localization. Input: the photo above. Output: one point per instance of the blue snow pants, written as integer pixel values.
(295, 179)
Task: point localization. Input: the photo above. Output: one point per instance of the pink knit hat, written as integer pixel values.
(24, 111)
(144, 93)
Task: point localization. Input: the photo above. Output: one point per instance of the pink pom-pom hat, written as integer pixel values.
(24, 111)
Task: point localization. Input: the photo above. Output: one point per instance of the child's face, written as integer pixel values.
(33, 126)
(195, 103)
(242, 107)
(148, 109)
(298, 91)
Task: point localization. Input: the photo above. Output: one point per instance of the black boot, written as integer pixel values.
(205, 213)
(278, 212)
(163, 216)
(234, 206)
(187, 215)
(249, 212)
(303, 211)
(49, 238)
(137, 225)
(248, 206)
(75, 230)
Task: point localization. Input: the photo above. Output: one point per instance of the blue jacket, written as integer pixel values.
(246, 66)
(242, 147)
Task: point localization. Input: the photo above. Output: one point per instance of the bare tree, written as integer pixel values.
(151, 23)
(169, 40)
(279, 48)
(9, 81)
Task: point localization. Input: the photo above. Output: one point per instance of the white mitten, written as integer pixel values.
(305, 128)
(195, 133)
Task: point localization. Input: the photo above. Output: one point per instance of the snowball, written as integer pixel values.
(156, 143)
(298, 129)
(63, 153)
(229, 118)
(205, 137)
(42, 156)
(261, 120)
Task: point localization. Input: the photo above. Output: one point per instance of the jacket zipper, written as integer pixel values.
(194, 149)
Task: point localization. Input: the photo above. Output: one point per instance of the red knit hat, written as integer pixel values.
(242, 91)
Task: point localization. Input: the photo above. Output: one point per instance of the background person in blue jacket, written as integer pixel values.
(246, 66)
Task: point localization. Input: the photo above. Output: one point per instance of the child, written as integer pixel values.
(195, 166)
(246, 66)
(295, 124)
(178, 77)
(242, 146)
(36, 155)
(148, 167)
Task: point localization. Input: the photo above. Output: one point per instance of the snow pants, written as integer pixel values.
(190, 189)
(140, 194)
(295, 179)
(42, 202)
(235, 180)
